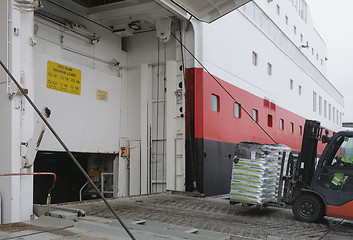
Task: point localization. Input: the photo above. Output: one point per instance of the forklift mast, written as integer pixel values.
(307, 157)
(298, 173)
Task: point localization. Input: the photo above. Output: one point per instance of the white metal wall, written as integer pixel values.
(85, 123)
(151, 133)
(16, 122)
(226, 50)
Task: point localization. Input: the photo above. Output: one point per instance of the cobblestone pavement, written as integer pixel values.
(218, 215)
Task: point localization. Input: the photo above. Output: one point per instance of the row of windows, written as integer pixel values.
(301, 37)
(335, 117)
(255, 62)
(302, 8)
(255, 115)
(327, 110)
(269, 70)
(291, 86)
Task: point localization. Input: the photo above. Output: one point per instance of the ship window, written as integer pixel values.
(281, 124)
(312, 51)
(291, 127)
(295, 29)
(269, 69)
(317, 56)
(300, 90)
(291, 84)
(329, 111)
(320, 105)
(278, 10)
(215, 103)
(287, 20)
(325, 108)
(254, 58)
(269, 120)
(300, 130)
(337, 114)
(301, 38)
(322, 62)
(237, 110)
(314, 101)
(255, 115)
(333, 114)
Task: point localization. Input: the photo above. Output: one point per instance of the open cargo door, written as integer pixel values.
(207, 10)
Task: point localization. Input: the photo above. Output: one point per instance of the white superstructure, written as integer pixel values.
(118, 86)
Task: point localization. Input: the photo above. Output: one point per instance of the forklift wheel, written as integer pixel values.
(308, 208)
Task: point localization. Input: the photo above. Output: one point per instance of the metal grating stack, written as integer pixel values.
(256, 172)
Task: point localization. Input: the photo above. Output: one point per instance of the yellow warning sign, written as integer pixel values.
(102, 95)
(63, 78)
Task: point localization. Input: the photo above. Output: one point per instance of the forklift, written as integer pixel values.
(319, 188)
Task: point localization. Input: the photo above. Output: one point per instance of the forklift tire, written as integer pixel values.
(308, 208)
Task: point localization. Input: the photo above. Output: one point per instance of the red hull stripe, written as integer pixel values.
(223, 126)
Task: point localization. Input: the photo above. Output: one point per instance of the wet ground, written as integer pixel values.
(218, 215)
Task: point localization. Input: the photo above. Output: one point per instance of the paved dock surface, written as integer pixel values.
(218, 215)
(70, 227)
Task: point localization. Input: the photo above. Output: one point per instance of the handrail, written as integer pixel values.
(84, 185)
(37, 173)
(66, 149)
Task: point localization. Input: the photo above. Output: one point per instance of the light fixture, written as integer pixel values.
(136, 26)
(304, 46)
(81, 30)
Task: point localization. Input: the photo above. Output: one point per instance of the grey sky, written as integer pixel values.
(333, 21)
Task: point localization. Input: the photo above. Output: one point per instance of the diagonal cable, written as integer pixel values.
(66, 149)
(331, 229)
(220, 84)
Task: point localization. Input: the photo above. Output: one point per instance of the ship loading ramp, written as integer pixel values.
(204, 216)
(99, 228)
(72, 224)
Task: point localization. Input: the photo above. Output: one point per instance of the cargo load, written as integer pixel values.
(256, 172)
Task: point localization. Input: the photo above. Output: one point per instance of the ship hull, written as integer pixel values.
(211, 135)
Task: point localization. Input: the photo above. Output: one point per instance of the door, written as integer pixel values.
(334, 177)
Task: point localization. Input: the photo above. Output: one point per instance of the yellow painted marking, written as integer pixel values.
(63, 78)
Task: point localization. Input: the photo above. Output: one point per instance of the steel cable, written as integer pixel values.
(220, 84)
(66, 149)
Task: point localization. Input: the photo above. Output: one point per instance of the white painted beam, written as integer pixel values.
(146, 109)
(170, 130)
